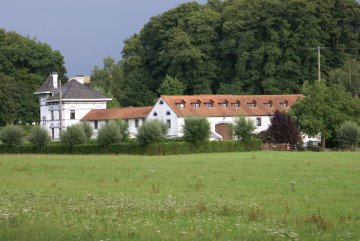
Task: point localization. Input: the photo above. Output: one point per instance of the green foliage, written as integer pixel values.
(11, 135)
(348, 135)
(171, 86)
(324, 108)
(114, 131)
(196, 130)
(151, 131)
(88, 130)
(73, 135)
(24, 63)
(110, 104)
(235, 47)
(39, 137)
(243, 128)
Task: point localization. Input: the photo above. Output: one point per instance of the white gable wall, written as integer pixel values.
(164, 113)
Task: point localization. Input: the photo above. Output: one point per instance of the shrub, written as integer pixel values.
(11, 135)
(111, 133)
(243, 129)
(348, 135)
(124, 129)
(39, 137)
(151, 131)
(88, 130)
(73, 135)
(284, 129)
(196, 130)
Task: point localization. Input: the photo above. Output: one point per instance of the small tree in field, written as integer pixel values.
(88, 130)
(73, 135)
(151, 132)
(109, 134)
(196, 130)
(348, 135)
(243, 129)
(39, 137)
(11, 135)
(283, 129)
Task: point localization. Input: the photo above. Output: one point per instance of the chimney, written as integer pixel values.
(80, 78)
(55, 79)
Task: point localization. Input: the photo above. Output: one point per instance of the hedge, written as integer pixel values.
(162, 148)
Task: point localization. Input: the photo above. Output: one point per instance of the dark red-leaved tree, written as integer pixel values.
(283, 129)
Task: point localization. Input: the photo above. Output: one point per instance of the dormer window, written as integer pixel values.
(180, 103)
(209, 103)
(223, 103)
(195, 103)
(268, 104)
(236, 104)
(252, 103)
(284, 103)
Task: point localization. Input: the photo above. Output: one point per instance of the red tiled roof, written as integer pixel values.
(118, 113)
(230, 110)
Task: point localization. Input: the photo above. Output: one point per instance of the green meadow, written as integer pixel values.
(227, 196)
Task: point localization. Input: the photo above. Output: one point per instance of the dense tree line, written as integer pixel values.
(24, 64)
(235, 46)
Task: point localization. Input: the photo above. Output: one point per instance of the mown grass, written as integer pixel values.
(228, 196)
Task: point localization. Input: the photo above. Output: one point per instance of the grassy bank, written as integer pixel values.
(228, 196)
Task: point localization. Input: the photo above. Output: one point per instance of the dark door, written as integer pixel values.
(224, 130)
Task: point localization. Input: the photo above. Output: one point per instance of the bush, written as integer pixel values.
(243, 129)
(88, 130)
(348, 135)
(113, 132)
(39, 137)
(151, 131)
(11, 135)
(73, 135)
(196, 130)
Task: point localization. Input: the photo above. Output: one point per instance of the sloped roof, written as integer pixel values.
(245, 109)
(118, 113)
(47, 86)
(74, 90)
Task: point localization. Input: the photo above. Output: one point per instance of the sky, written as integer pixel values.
(84, 31)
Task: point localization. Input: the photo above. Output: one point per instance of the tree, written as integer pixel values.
(73, 135)
(171, 86)
(243, 128)
(11, 135)
(196, 130)
(284, 129)
(39, 137)
(113, 132)
(324, 108)
(24, 63)
(88, 130)
(151, 131)
(348, 135)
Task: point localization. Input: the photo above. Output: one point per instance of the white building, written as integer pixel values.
(220, 110)
(77, 100)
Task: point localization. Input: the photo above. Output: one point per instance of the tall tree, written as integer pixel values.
(324, 109)
(171, 86)
(25, 63)
(283, 128)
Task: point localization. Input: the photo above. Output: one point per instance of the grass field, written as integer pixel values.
(229, 196)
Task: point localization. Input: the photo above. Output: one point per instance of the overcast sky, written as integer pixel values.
(84, 31)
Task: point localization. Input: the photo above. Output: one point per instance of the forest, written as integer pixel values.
(229, 46)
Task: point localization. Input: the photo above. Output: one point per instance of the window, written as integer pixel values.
(72, 114)
(168, 113)
(284, 103)
(52, 115)
(136, 123)
(168, 123)
(161, 102)
(96, 125)
(210, 104)
(268, 104)
(181, 105)
(224, 105)
(196, 105)
(258, 121)
(44, 120)
(155, 113)
(237, 105)
(251, 104)
(52, 133)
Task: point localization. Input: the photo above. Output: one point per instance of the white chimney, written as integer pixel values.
(80, 78)
(55, 79)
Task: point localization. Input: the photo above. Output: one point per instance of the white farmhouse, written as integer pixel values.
(77, 100)
(220, 110)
